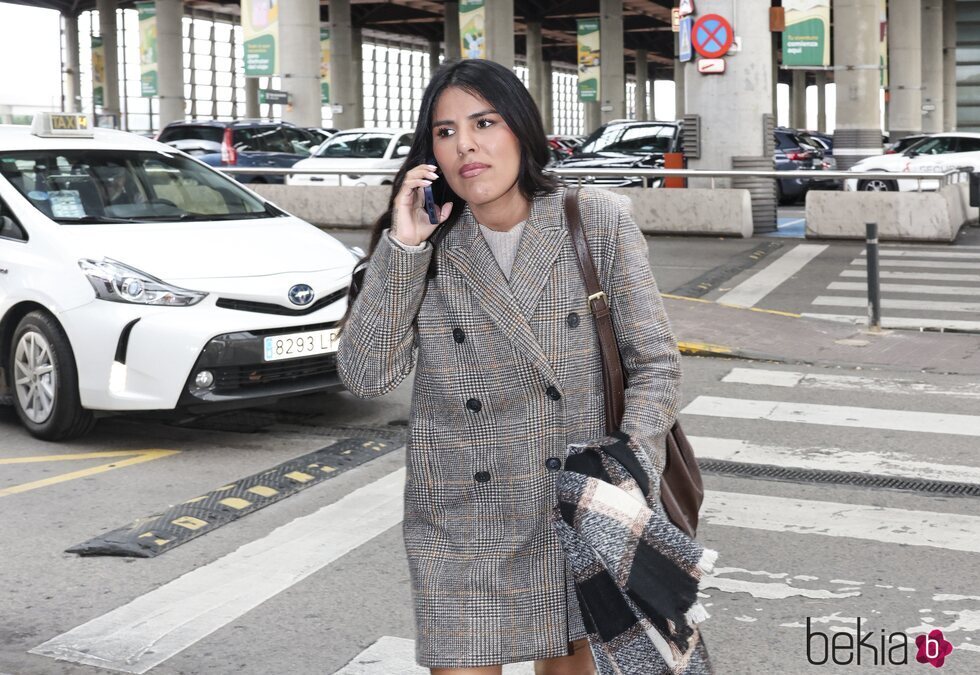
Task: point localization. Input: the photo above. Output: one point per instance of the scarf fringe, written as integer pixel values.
(706, 565)
(696, 614)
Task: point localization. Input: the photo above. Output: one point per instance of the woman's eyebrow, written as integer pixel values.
(488, 111)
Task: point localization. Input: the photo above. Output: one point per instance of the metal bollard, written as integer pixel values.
(874, 287)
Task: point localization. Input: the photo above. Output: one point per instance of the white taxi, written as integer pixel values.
(937, 153)
(133, 277)
(350, 152)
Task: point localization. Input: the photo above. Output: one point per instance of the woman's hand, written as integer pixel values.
(410, 222)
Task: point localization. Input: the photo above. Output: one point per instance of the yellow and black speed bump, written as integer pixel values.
(149, 537)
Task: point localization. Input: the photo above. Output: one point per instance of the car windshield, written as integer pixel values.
(113, 186)
(362, 145)
(629, 140)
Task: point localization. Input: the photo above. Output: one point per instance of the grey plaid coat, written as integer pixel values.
(507, 375)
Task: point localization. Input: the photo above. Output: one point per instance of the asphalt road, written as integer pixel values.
(317, 583)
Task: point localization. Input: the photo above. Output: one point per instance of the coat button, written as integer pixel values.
(481, 476)
(474, 405)
(572, 320)
(458, 335)
(553, 463)
(552, 393)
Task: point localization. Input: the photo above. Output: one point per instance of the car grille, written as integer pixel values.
(271, 308)
(237, 378)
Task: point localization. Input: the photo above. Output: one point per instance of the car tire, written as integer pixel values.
(877, 185)
(47, 403)
(781, 197)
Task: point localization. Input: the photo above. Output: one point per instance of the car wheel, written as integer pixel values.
(781, 197)
(877, 185)
(44, 380)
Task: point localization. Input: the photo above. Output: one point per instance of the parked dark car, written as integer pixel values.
(242, 143)
(796, 151)
(624, 144)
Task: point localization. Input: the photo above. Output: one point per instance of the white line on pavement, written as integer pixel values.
(906, 253)
(832, 459)
(948, 531)
(929, 264)
(915, 276)
(785, 378)
(899, 322)
(917, 289)
(760, 284)
(933, 305)
(154, 627)
(835, 415)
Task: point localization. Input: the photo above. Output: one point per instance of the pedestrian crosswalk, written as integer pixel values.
(921, 287)
(751, 405)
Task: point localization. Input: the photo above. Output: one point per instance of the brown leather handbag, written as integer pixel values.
(681, 487)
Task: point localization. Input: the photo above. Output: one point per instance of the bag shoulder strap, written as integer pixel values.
(613, 388)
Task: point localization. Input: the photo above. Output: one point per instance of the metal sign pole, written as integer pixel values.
(874, 288)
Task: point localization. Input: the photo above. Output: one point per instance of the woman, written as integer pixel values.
(490, 309)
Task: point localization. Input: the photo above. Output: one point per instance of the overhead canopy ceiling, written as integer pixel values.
(646, 23)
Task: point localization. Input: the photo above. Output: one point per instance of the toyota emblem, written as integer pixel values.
(301, 295)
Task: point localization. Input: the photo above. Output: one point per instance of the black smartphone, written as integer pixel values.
(430, 201)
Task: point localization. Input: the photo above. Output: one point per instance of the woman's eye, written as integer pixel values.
(443, 132)
(483, 124)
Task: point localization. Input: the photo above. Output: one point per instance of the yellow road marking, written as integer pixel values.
(141, 456)
(190, 522)
(263, 491)
(722, 304)
(299, 476)
(702, 347)
(235, 503)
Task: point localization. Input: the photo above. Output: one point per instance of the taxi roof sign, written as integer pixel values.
(61, 125)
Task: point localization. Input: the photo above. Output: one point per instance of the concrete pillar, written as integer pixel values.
(299, 35)
(642, 78)
(252, 98)
(434, 52)
(652, 96)
(904, 69)
(856, 60)
(775, 86)
(73, 80)
(821, 78)
(535, 62)
(451, 31)
(107, 29)
(547, 96)
(732, 108)
(170, 61)
(593, 118)
(932, 66)
(500, 32)
(679, 93)
(797, 100)
(342, 81)
(357, 63)
(949, 65)
(612, 76)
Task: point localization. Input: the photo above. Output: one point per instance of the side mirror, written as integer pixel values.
(402, 151)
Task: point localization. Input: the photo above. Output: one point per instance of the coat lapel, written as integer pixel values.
(511, 305)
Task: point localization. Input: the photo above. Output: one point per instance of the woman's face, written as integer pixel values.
(476, 151)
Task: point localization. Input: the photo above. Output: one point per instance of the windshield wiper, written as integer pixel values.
(93, 220)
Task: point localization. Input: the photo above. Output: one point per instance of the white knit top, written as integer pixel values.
(504, 245)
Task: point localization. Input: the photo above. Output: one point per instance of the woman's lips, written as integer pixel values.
(472, 170)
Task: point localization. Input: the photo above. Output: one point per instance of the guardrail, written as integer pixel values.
(945, 177)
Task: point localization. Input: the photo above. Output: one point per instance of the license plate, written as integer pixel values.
(298, 345)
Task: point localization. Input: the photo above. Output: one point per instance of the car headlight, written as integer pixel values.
(117, 282)
(357, 251)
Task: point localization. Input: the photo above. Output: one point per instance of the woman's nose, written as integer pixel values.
(465, 143)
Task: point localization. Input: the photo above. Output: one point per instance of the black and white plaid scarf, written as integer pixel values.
(636, 574)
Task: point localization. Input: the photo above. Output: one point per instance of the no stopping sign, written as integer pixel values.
(712, 36)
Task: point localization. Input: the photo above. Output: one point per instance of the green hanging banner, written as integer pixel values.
(98, 72)
(806, 38)
(473, 29)
(883, 41)
(147, 12)
(588, 60)
(260, 28)
(325, 65)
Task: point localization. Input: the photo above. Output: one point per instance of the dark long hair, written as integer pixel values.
(502, 89)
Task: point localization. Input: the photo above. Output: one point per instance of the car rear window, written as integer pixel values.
(363, 145)
(261, 139)
(631, 139)
(191, 133)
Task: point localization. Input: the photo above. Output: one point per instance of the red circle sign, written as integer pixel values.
(712, 36)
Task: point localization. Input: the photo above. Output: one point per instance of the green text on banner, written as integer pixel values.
(588, 60)
(325, 65)
(806, 38)
(147, 12)
(260, 26)
(473, 29)
(98, 72)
